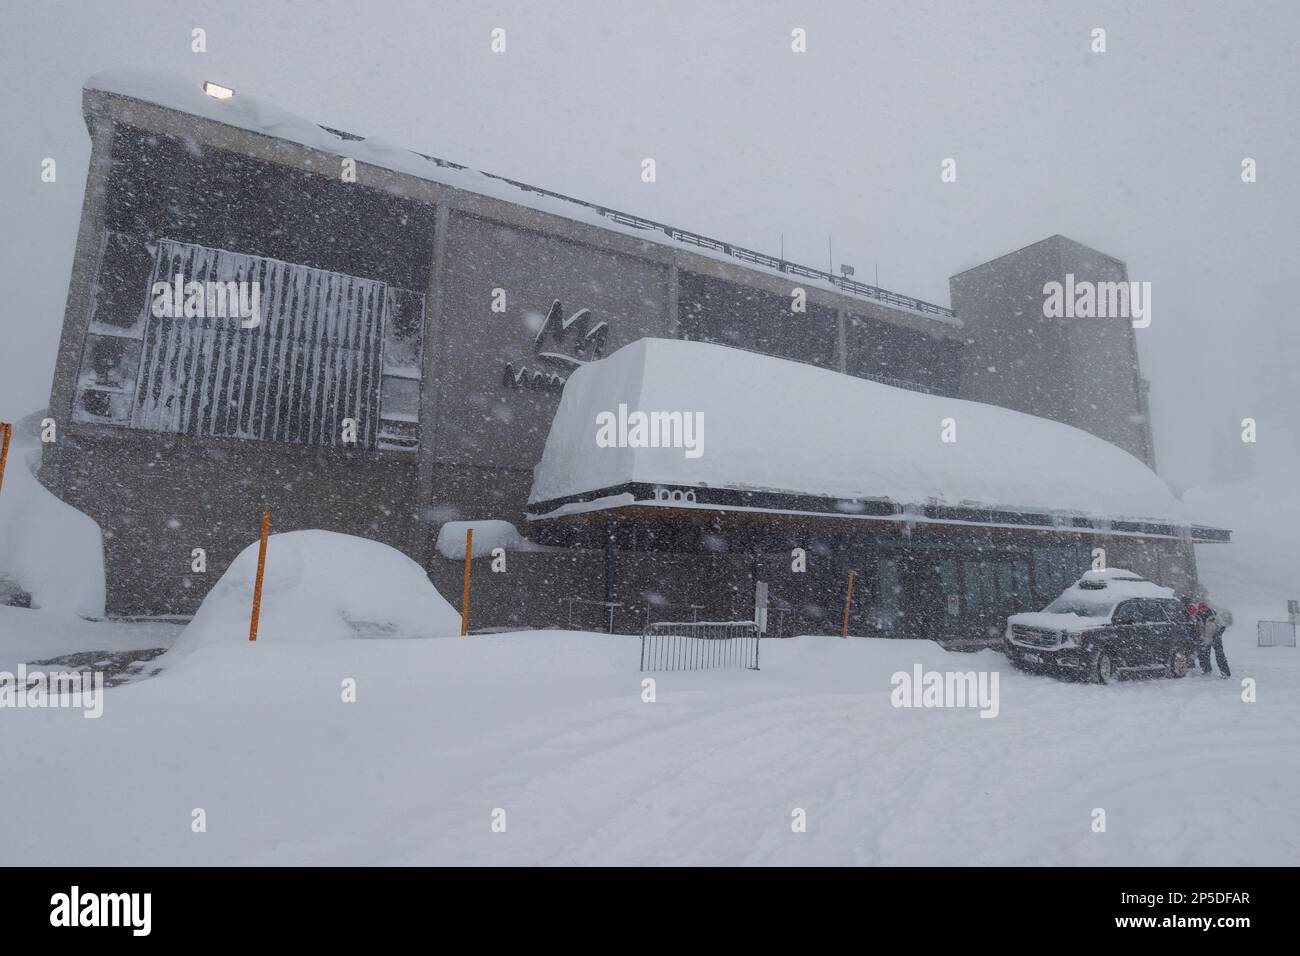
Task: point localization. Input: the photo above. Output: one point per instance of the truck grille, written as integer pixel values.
(1033, 636)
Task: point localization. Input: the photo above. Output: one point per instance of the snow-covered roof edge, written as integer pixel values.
(776, 427)
(250, 113)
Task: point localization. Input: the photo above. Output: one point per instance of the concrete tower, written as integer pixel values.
(1081, 371)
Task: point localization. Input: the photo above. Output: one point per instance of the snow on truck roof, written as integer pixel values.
(1116, 584)
(256, 115)
(773, 425)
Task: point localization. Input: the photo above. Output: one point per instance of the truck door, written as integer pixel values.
(1128, 649)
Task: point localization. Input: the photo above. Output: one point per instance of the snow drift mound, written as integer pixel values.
(487, 536)
(47, 548)
(321, 586)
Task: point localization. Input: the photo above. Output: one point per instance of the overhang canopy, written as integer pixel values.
(782, 436)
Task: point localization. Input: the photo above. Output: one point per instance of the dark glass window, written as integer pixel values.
(713, 310)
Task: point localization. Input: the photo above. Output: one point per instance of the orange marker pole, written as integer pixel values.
(5, 431)
(848, 599)
(464, 597)
(261, 570)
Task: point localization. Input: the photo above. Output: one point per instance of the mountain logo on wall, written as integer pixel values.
(561, 346)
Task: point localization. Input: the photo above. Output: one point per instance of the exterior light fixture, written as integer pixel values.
(217, 91)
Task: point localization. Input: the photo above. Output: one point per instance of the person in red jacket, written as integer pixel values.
(1210, 631)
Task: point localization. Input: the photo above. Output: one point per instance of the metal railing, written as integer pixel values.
(1276, 634)
(897, 383)
(699, 645)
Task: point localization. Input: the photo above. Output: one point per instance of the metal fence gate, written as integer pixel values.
(1276, 634)
(699, 645)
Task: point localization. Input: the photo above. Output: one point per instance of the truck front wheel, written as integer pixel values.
(1178, 664)
(1103, 668)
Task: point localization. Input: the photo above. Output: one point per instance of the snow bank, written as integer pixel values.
(780, 426)
(48, 548)
(321, 586)
(487, 536)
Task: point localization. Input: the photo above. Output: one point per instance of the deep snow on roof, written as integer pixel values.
(774, 425)
(259, 116)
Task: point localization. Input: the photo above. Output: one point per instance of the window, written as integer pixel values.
(399, 402)
(1126, 613)
(713, 310)
(1174, 612)
(1140, 612)
(981, 585)
(111, 352)
(1154, 612)
(1082, 607)
(1020, 584)
(1056, 568)
(888, 353)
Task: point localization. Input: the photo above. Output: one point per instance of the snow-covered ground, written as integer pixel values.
(27, 636)
(551, 727)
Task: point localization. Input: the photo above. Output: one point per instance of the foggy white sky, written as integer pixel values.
(1136, 152)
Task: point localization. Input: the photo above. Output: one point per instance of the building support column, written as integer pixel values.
(611, 569)
(674, 320)
(434, 347)
(757, 572)
(841, 342)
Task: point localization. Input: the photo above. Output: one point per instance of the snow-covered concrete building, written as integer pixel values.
(1084, 373)
(417, 326)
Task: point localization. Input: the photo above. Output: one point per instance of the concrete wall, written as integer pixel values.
(481, 420)
(156, 500)
(1081, 371)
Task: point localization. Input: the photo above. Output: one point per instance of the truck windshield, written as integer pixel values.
(1081, 606)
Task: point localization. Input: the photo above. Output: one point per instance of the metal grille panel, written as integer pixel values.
(699, 645)
(314, 359)
(1276, 634)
